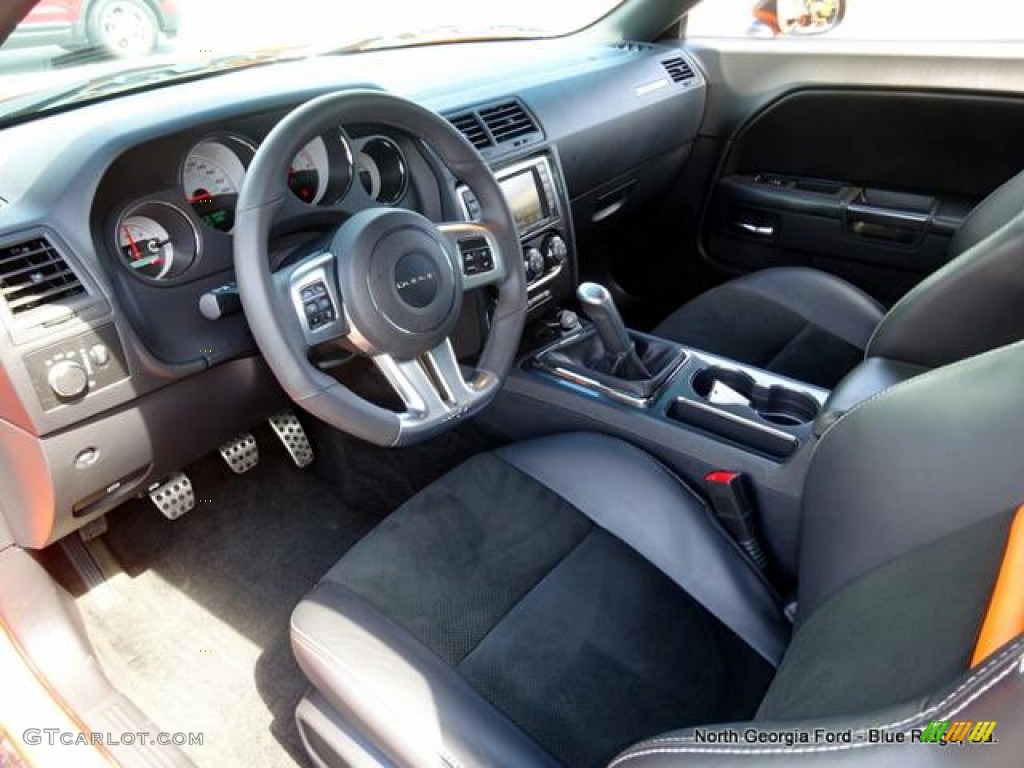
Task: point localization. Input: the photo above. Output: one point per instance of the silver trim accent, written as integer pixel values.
(454, 232)
(892, 214)
(595, 386)
(318, 269)
(736, 419)
(754, 229)
(433, 388)
(511, 170)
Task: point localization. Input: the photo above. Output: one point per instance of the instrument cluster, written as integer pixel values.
(158, 241)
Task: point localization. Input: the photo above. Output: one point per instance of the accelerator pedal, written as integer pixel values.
(289, 430)
(241, 454)
(175, 497)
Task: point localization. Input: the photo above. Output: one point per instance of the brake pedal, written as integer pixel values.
(175, 497)
(289, 430)
(241, 454)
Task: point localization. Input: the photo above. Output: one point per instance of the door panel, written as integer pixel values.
(853, 160)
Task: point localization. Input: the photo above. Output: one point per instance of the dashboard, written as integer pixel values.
(125, 354)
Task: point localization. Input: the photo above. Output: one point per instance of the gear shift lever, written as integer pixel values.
(599, 306)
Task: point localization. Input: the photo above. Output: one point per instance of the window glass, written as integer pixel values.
(868, 20)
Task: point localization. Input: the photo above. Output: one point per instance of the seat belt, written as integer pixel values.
(1004, 619)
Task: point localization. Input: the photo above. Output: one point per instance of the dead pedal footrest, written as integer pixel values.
(175, 497)
(289, 430)
(241, 454)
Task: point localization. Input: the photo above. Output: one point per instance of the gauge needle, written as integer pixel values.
(131, 243)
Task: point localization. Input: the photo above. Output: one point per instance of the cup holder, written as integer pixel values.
(776, 404)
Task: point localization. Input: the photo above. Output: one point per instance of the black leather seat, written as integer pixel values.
(557, 601)
(814, 327)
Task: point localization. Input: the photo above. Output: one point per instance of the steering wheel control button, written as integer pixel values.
(416, 279)
(317, 306)
(477, 258)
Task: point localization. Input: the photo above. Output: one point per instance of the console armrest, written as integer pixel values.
(866, 380)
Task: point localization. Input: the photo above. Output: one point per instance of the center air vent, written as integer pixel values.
(678, 69)
(469, 125)
(33, 274)
(508, 121)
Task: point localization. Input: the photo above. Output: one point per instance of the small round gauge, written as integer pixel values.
(156, 241)
(310, 172)
(321, 172)
(213, 173)
(381, 169)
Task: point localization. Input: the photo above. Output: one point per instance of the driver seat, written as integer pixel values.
(568, 601)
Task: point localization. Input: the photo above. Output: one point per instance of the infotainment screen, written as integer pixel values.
(521, 192)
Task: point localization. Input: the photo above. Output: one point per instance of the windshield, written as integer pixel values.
(64, 44)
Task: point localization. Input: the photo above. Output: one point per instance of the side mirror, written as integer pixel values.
(777, 18)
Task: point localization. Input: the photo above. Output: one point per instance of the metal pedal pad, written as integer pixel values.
(175, 497)
(241, 454)
(288, 428)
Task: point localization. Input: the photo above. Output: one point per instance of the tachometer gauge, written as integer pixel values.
(156, 241)
(211, 177)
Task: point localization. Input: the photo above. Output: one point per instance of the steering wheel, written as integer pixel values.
(389, 286)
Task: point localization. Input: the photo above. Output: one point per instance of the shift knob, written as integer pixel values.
(599, 306)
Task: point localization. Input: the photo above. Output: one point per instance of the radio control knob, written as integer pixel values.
(555, 251)
(68, 379)
(534, 263)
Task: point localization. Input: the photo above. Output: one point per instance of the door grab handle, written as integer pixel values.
(766, 230)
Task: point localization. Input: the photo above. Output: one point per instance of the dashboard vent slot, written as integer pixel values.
(678, 69)
(631, 46)
(508, 121)
(33, 274)
(469, 125)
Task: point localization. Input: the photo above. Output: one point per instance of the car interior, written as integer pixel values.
(580, 400)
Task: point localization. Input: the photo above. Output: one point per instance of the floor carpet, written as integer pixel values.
(194, 628)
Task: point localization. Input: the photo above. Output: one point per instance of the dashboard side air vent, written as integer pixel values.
(631, 46)
(469, 125)
(33, 274)
(678, 69)
(509, 121)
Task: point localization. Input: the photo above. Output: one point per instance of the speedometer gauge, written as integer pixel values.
(321, 172)
(156, 241)
(309, 171)
(211, 177)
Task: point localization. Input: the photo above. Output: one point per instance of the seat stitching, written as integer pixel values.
(326, 655)
(1013, 650)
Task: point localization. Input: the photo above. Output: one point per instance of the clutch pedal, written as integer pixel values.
(175, 497)
(241, 454)
(289, 430)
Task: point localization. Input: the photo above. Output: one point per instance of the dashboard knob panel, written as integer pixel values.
(68, 379)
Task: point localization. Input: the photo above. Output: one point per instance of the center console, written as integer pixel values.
(703, 415)
(535, 192)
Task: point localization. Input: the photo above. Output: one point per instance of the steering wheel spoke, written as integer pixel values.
(434, 388)
(479, 254)
(311, 288)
